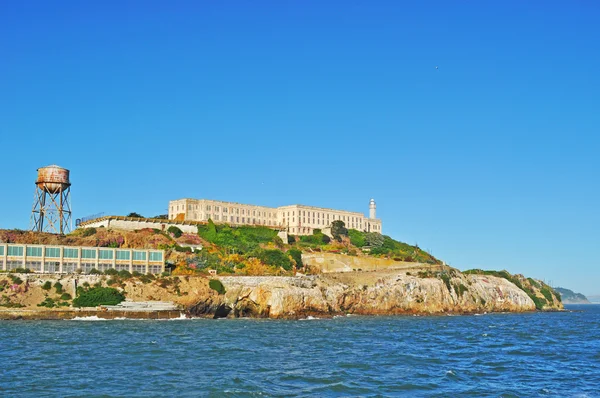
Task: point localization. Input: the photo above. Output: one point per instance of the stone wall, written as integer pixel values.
(332, 262)
(134, 224)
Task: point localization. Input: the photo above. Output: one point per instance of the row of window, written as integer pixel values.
(71, 267)
(224, 209)
(103, 254)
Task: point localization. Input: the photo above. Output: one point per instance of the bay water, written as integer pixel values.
(532, 354)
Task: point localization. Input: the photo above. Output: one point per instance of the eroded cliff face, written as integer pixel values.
(367, 293)
(377, 293)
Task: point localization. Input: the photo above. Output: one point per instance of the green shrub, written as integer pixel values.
(111, 271)
(15, 279)
(95, 271)
(124, 274)
(297, 256)
(137, 274)
(175, 231)
(23, 270)
(217, 286)
(47, 285)
(547, 294)
(357, 238)
(534, 282)
(460, 289)
(48, 303)
(242, 239)
(58, 286)
(66, 296)
(88, 232)
(98, 296)
(274, 258)
(446, 280)
(278, 241)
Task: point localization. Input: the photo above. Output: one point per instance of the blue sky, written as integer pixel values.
(490, 160)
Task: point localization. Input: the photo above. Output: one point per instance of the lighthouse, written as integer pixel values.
(372, 209)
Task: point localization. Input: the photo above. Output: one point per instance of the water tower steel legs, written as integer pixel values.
(51, 211)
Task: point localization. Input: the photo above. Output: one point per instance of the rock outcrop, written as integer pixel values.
(388, 292)
(377, 293)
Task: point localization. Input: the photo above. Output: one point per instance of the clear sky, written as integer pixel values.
(474, 125)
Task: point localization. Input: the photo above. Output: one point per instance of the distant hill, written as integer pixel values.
(594, 299)
(570, 297)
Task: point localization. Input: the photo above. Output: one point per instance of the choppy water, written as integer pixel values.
(538, 354)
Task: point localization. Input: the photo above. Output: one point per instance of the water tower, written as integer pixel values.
(52, 201)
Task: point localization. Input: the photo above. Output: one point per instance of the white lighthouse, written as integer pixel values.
(372, 209)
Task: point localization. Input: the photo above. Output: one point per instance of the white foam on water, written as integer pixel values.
(309, 318)
(88, 318)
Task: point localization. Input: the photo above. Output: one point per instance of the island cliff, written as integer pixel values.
(375, 293)
(252, 272)
(324, 295)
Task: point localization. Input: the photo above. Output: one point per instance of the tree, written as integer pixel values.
(134, 214)
(297, 256)
(338, 229)
(374, 239)
(175, 231)
(357, 238)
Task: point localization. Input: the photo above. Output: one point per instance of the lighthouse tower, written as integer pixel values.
(372, 209)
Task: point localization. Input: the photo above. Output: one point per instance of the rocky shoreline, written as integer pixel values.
(294, 297)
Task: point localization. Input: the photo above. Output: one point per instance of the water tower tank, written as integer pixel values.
(52, 179)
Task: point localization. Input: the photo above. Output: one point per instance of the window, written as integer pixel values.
(156, 256)
(237, 219)
(88, 253)
(243, 220)
(216, 217)
(15, 251)
(208, 208)
(104, 254)
(139, 268)
(224, 209)
(231, 218)
(139, 256)
(216, 208)
(34, 265)
(52, 252)
(34, 251)
(123, 255)
(70, 253)
(1, 250)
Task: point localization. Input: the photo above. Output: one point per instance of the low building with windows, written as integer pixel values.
(69, 259)
(294, 219)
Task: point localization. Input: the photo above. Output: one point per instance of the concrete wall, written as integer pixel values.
(333, 262)
(132, 225)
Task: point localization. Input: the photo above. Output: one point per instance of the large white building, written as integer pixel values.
(295, 219)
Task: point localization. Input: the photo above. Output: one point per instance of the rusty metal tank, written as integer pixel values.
(52, 179)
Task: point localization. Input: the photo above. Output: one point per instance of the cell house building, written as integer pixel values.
(295, 219)
(55, 259)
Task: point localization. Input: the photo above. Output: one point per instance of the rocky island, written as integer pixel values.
(251, 272)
